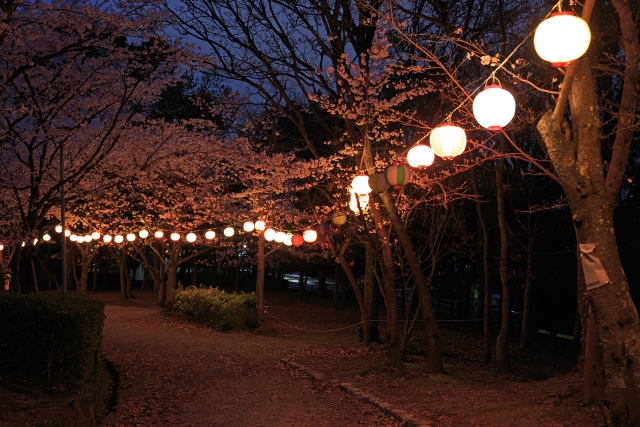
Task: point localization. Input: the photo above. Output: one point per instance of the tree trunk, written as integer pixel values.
(36, 290)
(260, 279)
(578, 163)
(122, 266)
(528, 284)
(370, 327)
(486, 292)
(502, 356)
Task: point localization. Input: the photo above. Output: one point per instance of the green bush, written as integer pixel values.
(49, 340)
(215, 308)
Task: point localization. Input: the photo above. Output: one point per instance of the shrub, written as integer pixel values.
(215, 308)
(49, 340)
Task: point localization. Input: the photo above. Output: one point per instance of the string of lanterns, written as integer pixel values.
(561, 38)
(309, 235)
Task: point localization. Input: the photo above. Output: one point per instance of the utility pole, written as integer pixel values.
(63, 242)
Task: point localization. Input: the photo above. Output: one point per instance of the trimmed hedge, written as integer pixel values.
(215, 308)
(49, 340)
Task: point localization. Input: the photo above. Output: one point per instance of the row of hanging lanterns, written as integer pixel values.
(560, 39)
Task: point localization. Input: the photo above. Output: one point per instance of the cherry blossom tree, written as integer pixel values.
(74, 78)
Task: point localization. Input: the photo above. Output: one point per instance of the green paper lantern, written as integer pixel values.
(397, 175)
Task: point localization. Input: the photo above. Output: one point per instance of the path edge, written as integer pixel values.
(408, 419)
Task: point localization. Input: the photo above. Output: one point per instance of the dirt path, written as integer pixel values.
(176, 373)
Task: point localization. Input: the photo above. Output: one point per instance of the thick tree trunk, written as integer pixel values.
(486, 292)
(502, 342)
(389, 286)
(370, 328)
(577, 160)
(260, 279)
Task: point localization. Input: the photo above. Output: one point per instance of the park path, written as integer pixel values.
(176, 373)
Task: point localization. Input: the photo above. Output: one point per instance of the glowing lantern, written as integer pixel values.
(67, 232)
(131, 237)
(260, 225)
(339, 219)
(88, 238)
(118, 239)
(297, 240)
(35, 241)
(362, 199)
(158, 234)
(1, 247)
(494, 107)
(448, 140)
(106, 238)
(143, 234)
(46, 237)
(378, 182)
(58, 229)
(280, 237)
(420, 156)
(397, 175)
(191, 237)
(79, 239)
(73, 237)
(360, 184)
(269, 234)
(175, 237)
(323, 229)
(310, 236)
(210, 234)
(248, 227)
(562, 38)
(288, 239)
(229, 231)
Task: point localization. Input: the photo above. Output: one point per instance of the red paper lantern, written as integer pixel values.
(297, 240)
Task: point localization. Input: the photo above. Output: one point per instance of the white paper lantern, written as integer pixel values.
(106, 238)
(210, 234)
(420, 156)
(158, 234)
(175, 237)
(260, 225)
(310, 236)
(88, 238)
(280, 236)
(288, 239)
(562, 38)
(79, 239)
(229, 231)
(143, 234)
(46, 237)
(131, 237)
(363, 199)
(1, 247)
(494, 107)
(191, 237)
(118, 239)
(269, 234)
(248, 227)
(448, 140)
(58, 229)
(360, 184)
(67, 232)
(73, 237)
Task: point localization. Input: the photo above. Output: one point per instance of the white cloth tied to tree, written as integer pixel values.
(594, 273)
